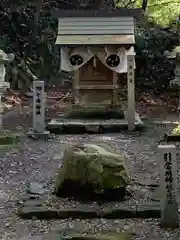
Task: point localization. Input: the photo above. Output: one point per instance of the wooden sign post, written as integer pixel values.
(131, 92)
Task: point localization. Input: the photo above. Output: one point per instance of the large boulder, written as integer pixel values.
(92, 170)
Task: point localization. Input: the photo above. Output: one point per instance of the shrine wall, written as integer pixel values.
(95, 75)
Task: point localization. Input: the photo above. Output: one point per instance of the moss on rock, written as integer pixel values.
(92, 168)
(8, 138)
(95, 111)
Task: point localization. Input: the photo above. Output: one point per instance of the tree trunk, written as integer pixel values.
(99, 4)
(144, 5)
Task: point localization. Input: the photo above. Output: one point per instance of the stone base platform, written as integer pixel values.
(171, 138)
(77, 126)
(43, 135)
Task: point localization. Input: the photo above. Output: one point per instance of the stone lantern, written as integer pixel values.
(175, 55)
(4, 59)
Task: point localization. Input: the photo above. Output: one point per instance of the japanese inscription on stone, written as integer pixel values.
(38, 101)
(130, 64)
(168, 186)
(168, 177)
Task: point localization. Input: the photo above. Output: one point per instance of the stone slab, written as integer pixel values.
(43, 212)
(62, 125)
(140, 211)
(30, 212)
(73, 235)
(43, 135)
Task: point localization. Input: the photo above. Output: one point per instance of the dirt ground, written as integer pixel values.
(37, 161)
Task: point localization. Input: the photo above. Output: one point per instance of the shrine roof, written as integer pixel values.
(96, 27)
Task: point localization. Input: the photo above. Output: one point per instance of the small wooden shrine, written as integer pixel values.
(98, 46)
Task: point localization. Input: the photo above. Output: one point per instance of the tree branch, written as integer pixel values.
(144, 5)
(163, 3)
(129, 3)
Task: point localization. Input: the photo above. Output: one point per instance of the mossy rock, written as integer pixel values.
(8, 138)
(95, 112)
(92, 170)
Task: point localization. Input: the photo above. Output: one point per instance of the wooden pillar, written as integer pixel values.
(131, 92)
(76, 86)
(168, 186)
(115, 89)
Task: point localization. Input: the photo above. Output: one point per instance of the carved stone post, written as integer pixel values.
(38, 129)
(168, 186)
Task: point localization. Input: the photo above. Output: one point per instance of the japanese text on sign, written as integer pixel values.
(168, 176)
(130, 73)
(38, 101)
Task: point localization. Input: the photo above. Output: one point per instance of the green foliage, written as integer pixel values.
(33, 43)
(162, 12)
(8, 138)
(153, 69)
(36, 55)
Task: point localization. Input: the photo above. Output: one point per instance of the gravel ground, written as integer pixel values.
(38, 161)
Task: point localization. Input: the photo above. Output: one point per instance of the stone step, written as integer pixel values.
(75, 126)
(42, 212)
(64, 235)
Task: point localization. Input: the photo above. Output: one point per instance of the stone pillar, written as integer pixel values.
(131, 92)
(175, 55)
(1, 113)
(38, 110)
(38, 107)
(168, 186)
